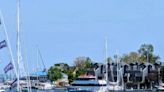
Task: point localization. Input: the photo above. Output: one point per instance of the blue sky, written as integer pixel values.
(66, 29)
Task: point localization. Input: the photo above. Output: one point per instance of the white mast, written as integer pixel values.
(18, 41)
(106, 48)
(117, 68)
(37, 67)
(19, 56)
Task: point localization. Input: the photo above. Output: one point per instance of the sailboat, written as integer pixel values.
(41, 84)
(111, 85)
(21, 71)
(105, 88)
(118, 85)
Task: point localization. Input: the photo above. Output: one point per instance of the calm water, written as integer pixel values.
(62, 90)
(55, 90)
(110, 91)
(34, 90)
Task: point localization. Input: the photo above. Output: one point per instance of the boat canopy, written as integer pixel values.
(39, 73)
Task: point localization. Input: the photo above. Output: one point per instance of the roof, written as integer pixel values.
(39, 73)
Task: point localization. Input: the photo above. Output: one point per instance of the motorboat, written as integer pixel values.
(3, 87)
(44, 86)
(86, 84)
(160, 87)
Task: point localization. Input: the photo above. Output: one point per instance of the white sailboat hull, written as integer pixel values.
(45, 86)
(115, 88)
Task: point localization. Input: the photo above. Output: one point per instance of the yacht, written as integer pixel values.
(87, 83)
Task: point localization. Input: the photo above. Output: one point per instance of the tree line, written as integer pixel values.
(82, 64)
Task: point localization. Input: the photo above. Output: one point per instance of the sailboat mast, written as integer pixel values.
(37, 66)
(18, 42)
(117, 68)
(106, 59)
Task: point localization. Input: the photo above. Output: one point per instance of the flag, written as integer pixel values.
(3, 44)
(8, 67)
(13, 84)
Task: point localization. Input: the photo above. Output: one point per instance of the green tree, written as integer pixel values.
(125, 58)
(82, 65)
(83, 62)
(71, 72)
(88, 63)
(63, 68)
(131, 57)
(54, 74)
(134, 56)
(146, 53)
(71, 76)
